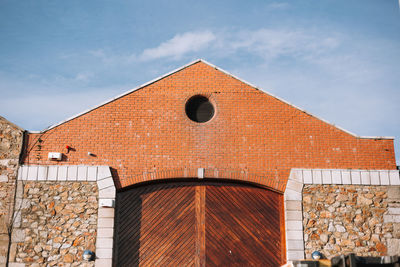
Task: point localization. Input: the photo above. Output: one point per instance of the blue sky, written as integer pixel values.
(337, 59)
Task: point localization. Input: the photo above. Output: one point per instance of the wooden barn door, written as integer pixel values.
(198, 224)
(242, 226)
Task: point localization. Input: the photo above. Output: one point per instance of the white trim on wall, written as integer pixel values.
(293, 197)
(82, 173)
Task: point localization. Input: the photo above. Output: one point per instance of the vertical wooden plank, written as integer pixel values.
(200, 207)
(283, 230)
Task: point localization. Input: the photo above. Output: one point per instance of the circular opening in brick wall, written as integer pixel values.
(199, 109)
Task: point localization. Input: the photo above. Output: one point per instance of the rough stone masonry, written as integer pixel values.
(10, 148)
(58, 221)
(342, 219)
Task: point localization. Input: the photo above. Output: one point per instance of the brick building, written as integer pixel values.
(202, 168)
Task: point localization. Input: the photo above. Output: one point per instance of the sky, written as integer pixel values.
(337, 59)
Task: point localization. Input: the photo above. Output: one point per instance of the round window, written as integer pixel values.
(199, 109)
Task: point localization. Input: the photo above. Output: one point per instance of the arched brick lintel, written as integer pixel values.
(228, 174)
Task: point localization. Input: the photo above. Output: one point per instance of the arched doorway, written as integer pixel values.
(198, 223)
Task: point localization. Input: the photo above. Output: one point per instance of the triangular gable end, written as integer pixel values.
(219, 69)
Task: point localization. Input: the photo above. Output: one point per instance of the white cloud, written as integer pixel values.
(84, 76)
(278, 5)
(179, 45)
(271, 43)
(99, 53)
(264, 43)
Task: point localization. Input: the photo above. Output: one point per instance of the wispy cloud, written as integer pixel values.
(278, 5)
(180, 45)
(272, 43)
(265, 43)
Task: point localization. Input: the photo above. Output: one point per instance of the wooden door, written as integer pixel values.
(198, 224)
(242, 226)
(155, 226)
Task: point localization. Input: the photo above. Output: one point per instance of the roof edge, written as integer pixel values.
(290, 104)
(222, 70)
(119, 96)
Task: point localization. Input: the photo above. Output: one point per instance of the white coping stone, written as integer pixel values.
(24, 172)
(19, 177)
(105, 183)
(384, 177)
(317, 177)
(82, 173)
(308, 176)
(32, 173)
(295, 255)
(326, 177)
(106, 212)
(103, 262)
(293, 195)
(105, 232)
(108, 192)
(42, 173)
(346, 178)
(293, 205)
(52, 174)
(336, 177)
(298, 175)
(365, 178)
(103, 172)
(105, 222)
(294, 185)
(62, 173)
(72, 173)
(104, 253)
(92, 173)
(294, 235)
(295, 245)
(355, 177)
(293, 215)
(104, 242)
(394, 177)
(294, 225)
(375, 178)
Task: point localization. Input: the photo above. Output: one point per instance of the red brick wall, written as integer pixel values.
(253, 136)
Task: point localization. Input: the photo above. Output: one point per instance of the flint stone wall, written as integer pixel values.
(342, 219)
(56, 222)
(10, 147)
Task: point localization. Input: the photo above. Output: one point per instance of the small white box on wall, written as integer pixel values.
(107, 203)
(55, 155)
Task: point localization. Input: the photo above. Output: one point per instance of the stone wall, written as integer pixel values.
(342, 219)
(10, 147)
(56, 222)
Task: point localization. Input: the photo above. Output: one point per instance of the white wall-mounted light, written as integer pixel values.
(55, 156)
(107, 203)
(88, 255)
